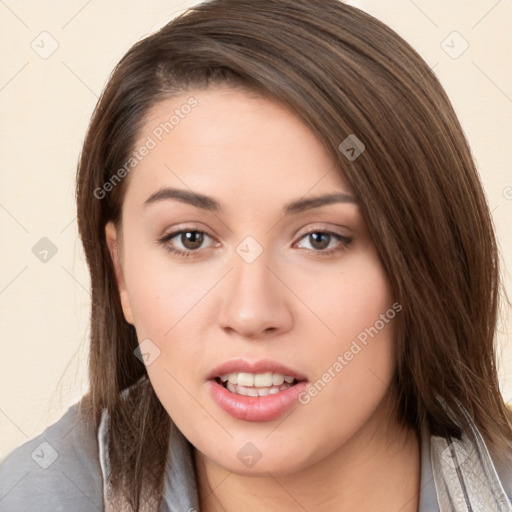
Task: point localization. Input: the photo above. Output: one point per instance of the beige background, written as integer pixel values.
(45, 103)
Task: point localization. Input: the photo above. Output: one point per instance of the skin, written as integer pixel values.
(295, 304)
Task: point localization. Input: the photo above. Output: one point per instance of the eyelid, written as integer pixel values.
(344, 241)
(339, 236)
(178, 230)
(173, 234)
(323, 228)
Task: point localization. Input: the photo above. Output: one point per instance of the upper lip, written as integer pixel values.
(259, 366)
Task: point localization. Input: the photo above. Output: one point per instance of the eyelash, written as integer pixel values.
(184, 254)
(345, 242)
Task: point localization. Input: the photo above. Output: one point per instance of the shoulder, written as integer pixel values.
(503, 467)
(58, 470)
(464, 471)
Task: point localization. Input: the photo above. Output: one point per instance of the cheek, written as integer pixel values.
(162, 294)
(348, 299)
(355, 363)
(168, 305)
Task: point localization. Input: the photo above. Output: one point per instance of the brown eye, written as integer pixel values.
(324, 242)
(319, 241)
(187, 242)
(192, 239)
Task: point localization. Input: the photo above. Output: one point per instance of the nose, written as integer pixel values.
(255, 303)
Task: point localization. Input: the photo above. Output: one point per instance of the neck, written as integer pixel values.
(379, 471)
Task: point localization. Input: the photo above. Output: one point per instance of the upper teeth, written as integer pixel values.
(256, 379)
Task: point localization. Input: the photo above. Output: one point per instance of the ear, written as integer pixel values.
(112, 238)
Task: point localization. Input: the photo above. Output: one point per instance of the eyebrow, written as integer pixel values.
(315, 202)
(185, 196)
(210, 204)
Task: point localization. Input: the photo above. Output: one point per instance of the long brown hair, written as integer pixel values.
(344, 73)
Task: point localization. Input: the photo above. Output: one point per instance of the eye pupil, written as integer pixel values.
(192, 239)
(319, 240)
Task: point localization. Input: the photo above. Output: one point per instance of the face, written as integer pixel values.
(256, 292)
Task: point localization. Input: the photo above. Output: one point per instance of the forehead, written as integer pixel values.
(234, 144)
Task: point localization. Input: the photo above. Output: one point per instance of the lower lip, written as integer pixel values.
(256, 408)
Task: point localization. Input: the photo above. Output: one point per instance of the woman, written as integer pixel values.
(294, 280)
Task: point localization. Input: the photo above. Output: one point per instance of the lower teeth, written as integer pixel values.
(255, 391)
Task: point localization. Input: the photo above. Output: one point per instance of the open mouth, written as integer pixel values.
(256, 384)
(263, 392)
